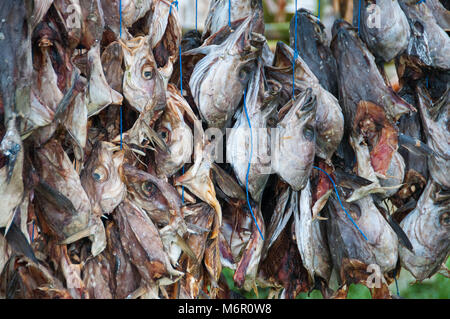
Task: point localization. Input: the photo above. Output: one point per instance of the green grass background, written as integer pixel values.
(437, 287)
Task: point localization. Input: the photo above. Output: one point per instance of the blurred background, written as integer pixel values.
(277, 15)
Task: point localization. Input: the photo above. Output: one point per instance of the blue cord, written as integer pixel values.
(32, 233)
(359, 16)
(396, 283)
(120, 36)
(173, 3)
(421, 1)
(295, 52)
(196, 13)
(339, 198)
(181, 73)
(229, 13)
(249, 165)
(318, 11)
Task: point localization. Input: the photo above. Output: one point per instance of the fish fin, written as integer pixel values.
(55, 197)
(226, 183)
(414, 145)
(17, 240)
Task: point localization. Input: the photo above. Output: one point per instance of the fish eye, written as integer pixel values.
(165, 135)
(100, 174)
(149, 189)
(147, 73)
(444, 219)
(243, 74)
(308, 133)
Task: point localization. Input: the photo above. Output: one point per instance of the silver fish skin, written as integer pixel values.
(391, 37)
(355, 61)
(421, 17)
(440, 13)
(345, 240)
(329, 117)
(428, 229)
(259, 109)
(311, 238)
(295, 141)
(176, 134)
(219, 11)
(313, 47)
(435, 123)
(218, 80)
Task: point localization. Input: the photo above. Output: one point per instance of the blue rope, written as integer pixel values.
(421, 1)
(318, 11)
(396, 283)
(181, 73)
(32, 233)
(229, 13)
(295, 52)
(196, 13)
(249, 165)
(120, 36)
(339, 198)
(359, 16)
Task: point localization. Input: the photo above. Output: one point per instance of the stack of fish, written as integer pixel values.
(137, 162)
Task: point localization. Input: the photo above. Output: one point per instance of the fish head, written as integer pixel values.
(102, 178)
(175, 133)
(297, 137)
(142, 82)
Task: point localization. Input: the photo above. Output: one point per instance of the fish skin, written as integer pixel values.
(381, 246)
(166, 197)
(102, 178)
(435, 123)
(142, 82)
(350, 51)
(440, 13)
(313, 48)
(247, 267)
(295, 142)
(218, 14)
(71, 17)
(11, 181)
(218, 80)
(99, 94)
(178, 135)
(421, 18)
(329, 117)
(311, 237)
(165, 32)
(392, 37)
(56, 170)
(125, 277)
(142, 243)
(427, 227)
(203, 216)
(112, 59)
(260, 107)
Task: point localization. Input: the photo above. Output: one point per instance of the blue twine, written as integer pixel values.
(249, 165)
(196, 13)
(339, 198)
(173, 3)
(181, 72)
(229, 13)
(359, 16)
(396, 283)
(32, 233)
(318, 11)
(295, 52)
(120, 36)
(421, 1)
